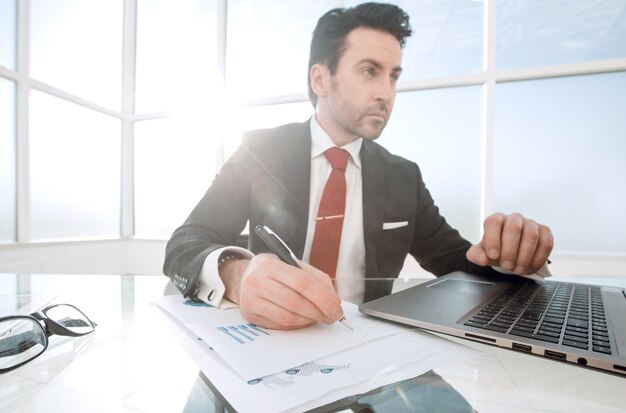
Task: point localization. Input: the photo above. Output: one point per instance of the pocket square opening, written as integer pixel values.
(394, 225)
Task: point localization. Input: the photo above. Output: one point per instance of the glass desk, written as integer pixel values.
(133, 363)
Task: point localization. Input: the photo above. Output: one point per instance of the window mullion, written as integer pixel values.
(488, 108)
(222, 10)
(23, 85)
(127, 215)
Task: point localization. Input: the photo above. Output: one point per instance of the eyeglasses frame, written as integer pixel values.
(49, 327)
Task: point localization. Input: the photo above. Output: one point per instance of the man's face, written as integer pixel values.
(363, 89)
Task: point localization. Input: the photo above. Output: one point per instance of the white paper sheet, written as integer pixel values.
(255, 352)
(355, 371)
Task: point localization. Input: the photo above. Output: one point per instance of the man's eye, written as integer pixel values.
(369, 71)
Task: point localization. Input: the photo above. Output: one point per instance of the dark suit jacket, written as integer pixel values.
(266, 181)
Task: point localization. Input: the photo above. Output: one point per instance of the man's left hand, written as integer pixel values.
(514, 243)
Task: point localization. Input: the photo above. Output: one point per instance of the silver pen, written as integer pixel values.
(278, 247)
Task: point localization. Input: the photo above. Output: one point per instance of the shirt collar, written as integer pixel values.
(320, 142)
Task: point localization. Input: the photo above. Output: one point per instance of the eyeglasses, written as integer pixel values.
(25, 337)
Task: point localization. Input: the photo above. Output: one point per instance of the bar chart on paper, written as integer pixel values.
(254, 351)
(329, 360)
(289, 377)
(243, 333)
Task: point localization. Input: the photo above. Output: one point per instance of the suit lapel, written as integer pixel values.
(373, 176)
(297, 173)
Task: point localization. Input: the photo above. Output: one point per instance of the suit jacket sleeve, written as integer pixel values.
(266, 181)
(216, 221)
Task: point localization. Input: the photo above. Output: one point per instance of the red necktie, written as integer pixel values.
(329, 221)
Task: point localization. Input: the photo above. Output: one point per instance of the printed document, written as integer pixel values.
(318, 382)
(254, 352)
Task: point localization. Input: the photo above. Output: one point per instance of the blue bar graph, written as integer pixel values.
(225, 330)
(243, 333)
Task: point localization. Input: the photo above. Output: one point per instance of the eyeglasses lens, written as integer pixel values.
(21, 339)
(70, 318)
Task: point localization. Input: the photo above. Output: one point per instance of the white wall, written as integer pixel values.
(85, 257)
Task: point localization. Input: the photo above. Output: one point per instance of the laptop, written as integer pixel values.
(577, 323)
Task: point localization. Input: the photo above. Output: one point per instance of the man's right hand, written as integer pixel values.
(276, 295)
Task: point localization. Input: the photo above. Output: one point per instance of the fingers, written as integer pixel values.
(511, 240)
(514, 243)
(276, 295)
(314, 286)
(321, 276)
(544, 248)
(492, 237)
(527, 248)
(268, 314)
(337, 311)
(478, 255)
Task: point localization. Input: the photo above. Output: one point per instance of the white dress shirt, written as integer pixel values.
(350, 272)
(351, 265)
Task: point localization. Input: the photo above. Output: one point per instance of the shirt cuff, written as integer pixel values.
(211, 289)
(543, 272)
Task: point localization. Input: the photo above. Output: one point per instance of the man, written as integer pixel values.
(278, 177)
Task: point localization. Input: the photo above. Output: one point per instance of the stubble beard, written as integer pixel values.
(359, 123)
(355, 121)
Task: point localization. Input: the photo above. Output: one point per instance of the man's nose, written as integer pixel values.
(385, 90)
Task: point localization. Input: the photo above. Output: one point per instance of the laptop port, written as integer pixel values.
(469, 335)
(618, 367)
(582, 361)
(522, 347)
(554, 355)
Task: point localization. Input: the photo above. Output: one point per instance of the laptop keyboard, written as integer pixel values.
(560, 313)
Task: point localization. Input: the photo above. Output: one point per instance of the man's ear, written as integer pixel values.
(320, 79)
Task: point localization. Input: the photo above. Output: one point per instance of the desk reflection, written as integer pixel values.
(133, 362)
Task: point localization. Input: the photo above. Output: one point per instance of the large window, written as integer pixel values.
(543, 33)
(116, 115)
(447, 38)
(74, 151)
(174, 165)
(180, 104)
(177, 68)
(74, 170)
(76, 46)
(8, 57)
(567, 170)
(8, 212)
(267, 46)
(8, 33)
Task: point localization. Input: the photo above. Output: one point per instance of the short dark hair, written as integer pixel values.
(329, 37)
